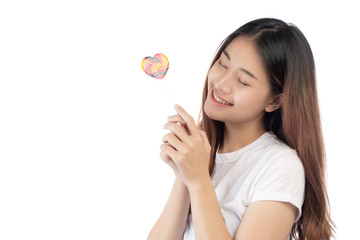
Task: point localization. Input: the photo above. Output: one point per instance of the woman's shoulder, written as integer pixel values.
(278, 152)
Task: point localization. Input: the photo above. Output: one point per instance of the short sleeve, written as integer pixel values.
(281, 179)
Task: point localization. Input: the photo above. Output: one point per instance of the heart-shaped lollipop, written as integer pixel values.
(156, 66)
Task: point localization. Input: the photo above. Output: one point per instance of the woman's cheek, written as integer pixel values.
(213, 74)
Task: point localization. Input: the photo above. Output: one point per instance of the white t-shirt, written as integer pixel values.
(266, 169)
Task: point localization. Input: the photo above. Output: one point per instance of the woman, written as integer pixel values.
(253, 167)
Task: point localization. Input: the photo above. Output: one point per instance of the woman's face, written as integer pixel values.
(239, 79)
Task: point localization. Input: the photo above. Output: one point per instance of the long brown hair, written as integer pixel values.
(290, 67)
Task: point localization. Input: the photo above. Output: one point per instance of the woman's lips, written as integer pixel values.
(219, 101)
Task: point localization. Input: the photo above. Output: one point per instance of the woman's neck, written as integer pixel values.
(236, 137)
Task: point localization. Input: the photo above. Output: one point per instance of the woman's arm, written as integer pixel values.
(190, 152)
(206, 215)
(267, 220)
(172, 222)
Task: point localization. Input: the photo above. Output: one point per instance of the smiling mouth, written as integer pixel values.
(219, 100)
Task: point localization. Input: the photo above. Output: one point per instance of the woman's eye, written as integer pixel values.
(242, 82)
(221, 64)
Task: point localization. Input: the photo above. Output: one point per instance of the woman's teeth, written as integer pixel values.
(221, 101)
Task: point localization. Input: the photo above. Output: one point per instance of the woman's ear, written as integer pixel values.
(275, 103)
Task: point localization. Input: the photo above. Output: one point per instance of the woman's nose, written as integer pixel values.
(223, 83)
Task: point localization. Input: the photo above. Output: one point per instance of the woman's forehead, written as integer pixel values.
(242, 53)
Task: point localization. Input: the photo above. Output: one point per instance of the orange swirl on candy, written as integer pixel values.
(156, 66)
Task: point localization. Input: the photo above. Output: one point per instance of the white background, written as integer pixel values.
(81, 124)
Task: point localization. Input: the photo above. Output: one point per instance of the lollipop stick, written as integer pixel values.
(163, 83)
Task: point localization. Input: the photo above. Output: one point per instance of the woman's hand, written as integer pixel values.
(187, 147)
(172, 120)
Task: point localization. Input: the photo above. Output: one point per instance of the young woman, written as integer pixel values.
(253, 167)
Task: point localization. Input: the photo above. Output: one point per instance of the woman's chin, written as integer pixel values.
(211, 112)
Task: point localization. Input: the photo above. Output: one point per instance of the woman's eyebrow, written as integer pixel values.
(242, 69)
(226, 54)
